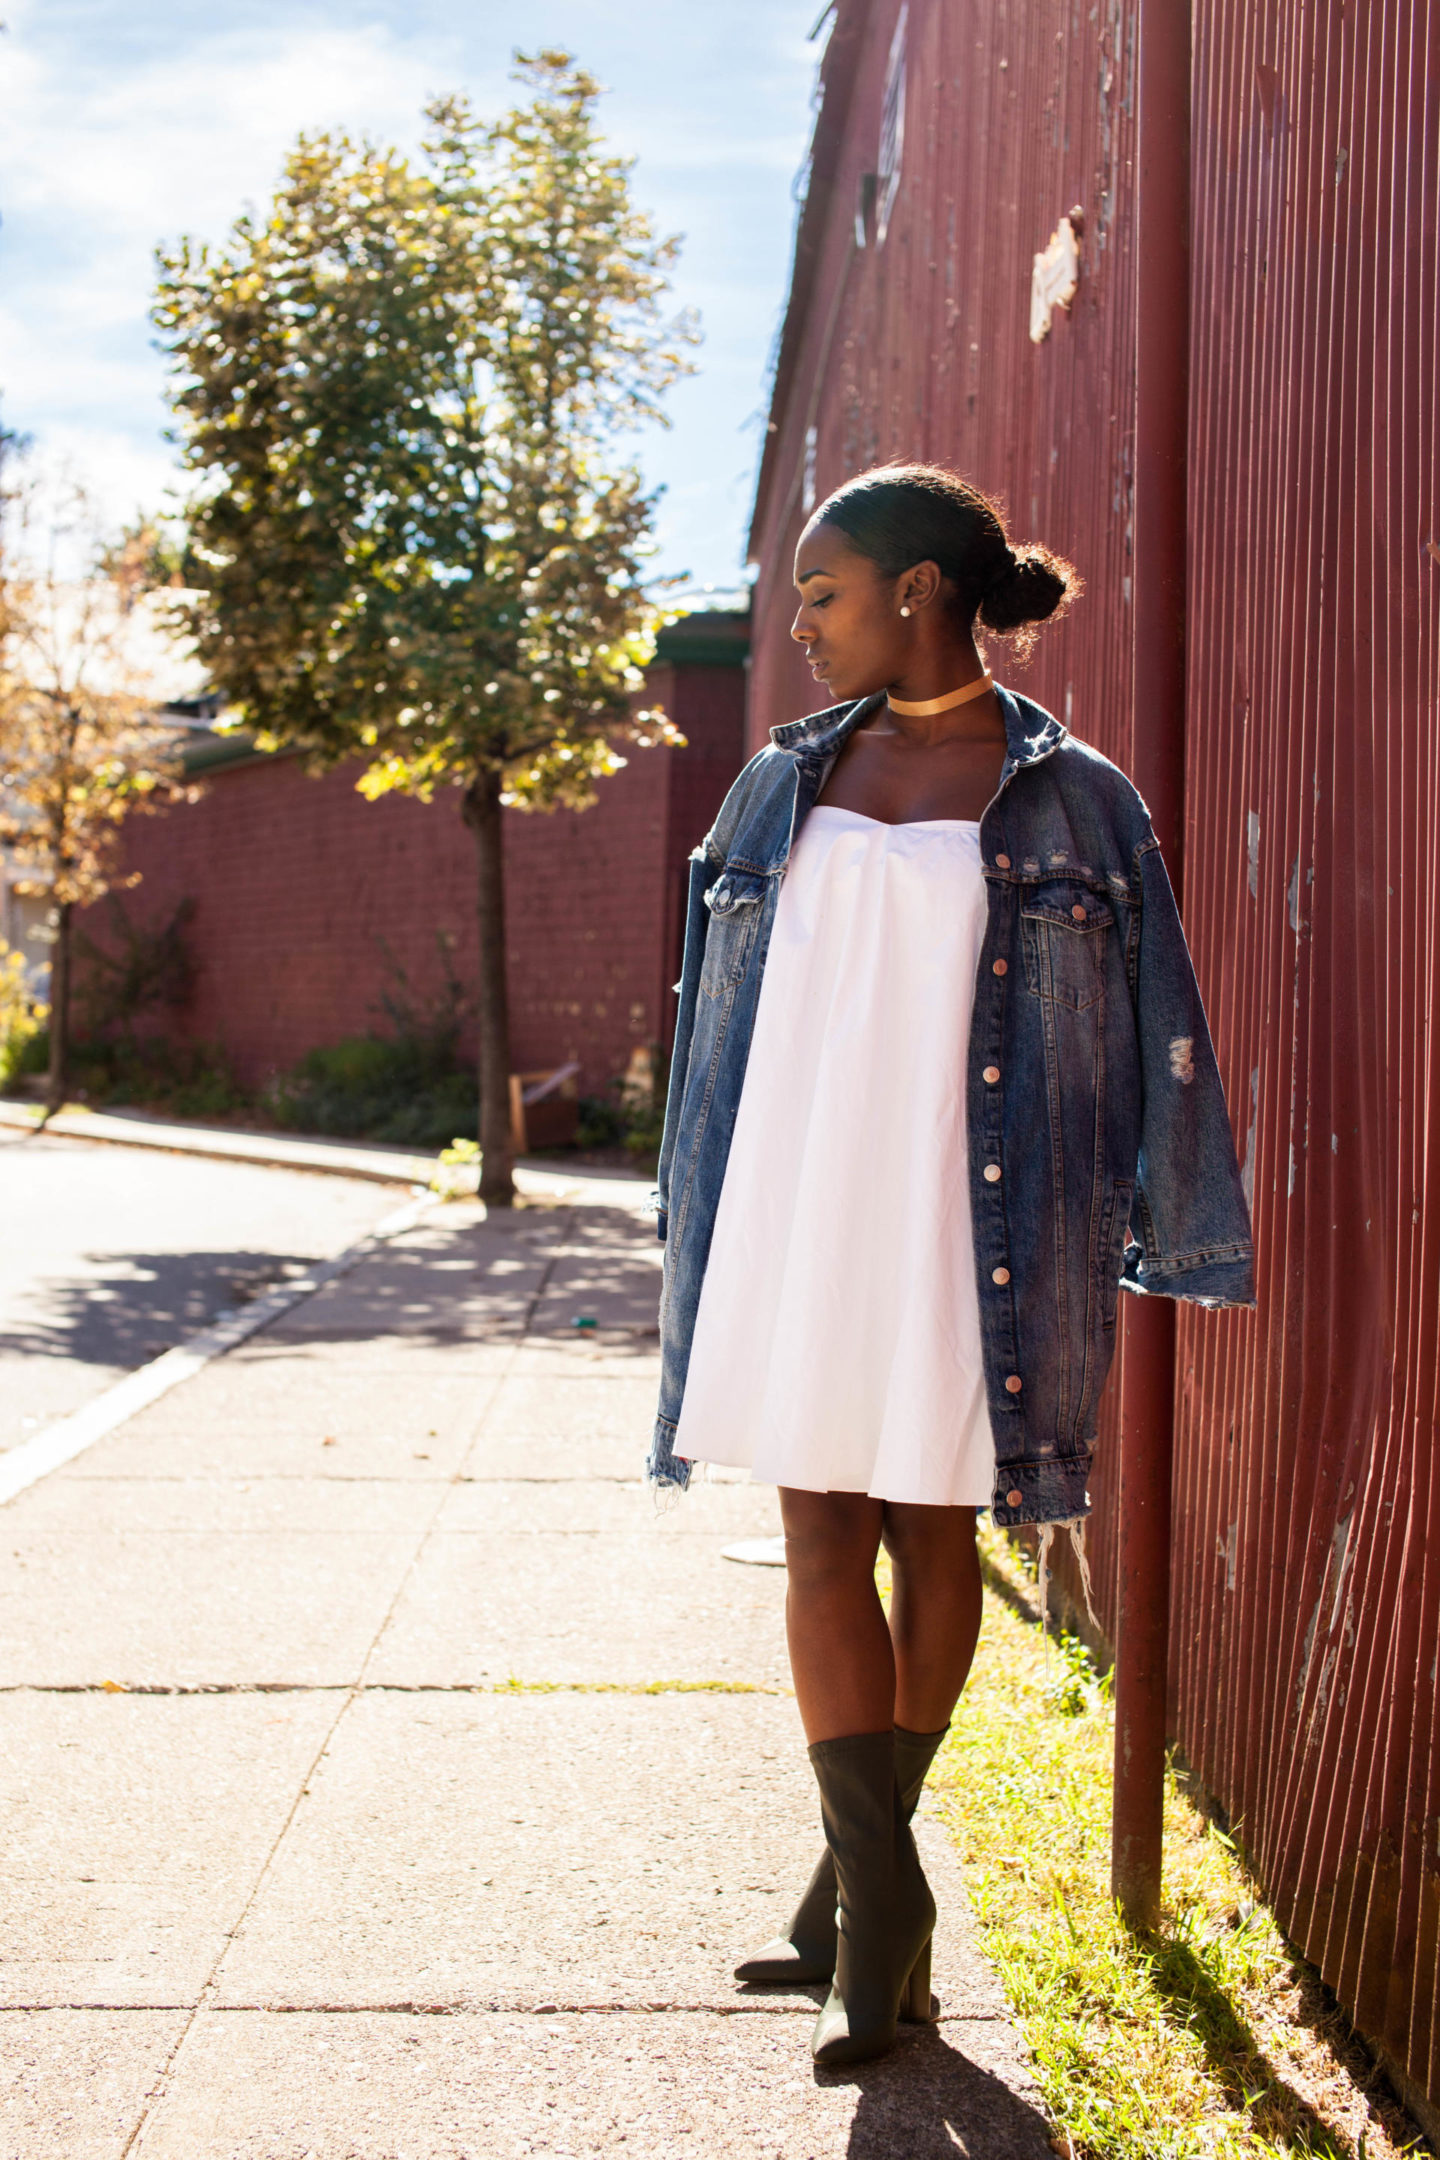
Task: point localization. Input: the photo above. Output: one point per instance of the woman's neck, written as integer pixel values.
(935, 673)
(935, 668)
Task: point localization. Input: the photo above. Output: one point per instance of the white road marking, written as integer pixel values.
(62, 1442)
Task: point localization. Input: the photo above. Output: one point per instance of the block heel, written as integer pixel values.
(917, 2005)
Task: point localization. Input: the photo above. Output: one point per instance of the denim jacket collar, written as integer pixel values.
(1030, 732)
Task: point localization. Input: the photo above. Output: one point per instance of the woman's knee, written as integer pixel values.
(831, 1539)
(931, 1545)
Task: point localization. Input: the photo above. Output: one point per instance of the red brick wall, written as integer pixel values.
(301, 887)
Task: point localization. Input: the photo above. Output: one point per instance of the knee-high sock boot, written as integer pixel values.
(887, 1915)
(805, 1953)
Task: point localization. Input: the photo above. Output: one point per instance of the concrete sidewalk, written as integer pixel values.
(384, 1775)
(274, 1150)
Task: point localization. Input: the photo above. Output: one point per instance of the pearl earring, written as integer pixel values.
(904, 611)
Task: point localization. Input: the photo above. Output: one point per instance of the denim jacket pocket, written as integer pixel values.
(734, 904)
(1064, 930)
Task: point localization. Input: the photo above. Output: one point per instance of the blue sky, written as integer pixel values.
(128, 121)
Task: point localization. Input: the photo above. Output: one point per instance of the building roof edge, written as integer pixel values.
(838, 71)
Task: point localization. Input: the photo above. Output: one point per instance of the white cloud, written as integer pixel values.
(124, 131)
(179, 141)
(95, 172)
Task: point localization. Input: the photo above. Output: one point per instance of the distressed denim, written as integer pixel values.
(1100, 1147)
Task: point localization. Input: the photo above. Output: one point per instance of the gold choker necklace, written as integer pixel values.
(941, 704)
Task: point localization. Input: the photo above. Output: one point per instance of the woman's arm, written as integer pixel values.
(1190, 1219)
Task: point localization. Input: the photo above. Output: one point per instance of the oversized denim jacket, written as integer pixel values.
(1100, 1148)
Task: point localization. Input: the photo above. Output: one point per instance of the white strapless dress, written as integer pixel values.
(837, 1340)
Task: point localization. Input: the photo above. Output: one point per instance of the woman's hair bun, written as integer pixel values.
(899, 515)
(1029, 588)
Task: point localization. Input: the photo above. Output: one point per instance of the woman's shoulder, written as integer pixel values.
(1099, 798)
(1080, 770)
(1085, 766)
(770, 768)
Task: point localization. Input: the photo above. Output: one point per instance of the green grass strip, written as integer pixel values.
(1208, 2040)
(516, 1686)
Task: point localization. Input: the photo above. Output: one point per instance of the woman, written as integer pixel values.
(900, 1184)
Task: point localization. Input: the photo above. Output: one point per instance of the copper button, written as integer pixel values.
(992, 1173)
(999, 967)
(1014, 1383)
(1014, 1499)
(1002, 862)
(1078, 912)
(1000, 1274)
(992, 1074)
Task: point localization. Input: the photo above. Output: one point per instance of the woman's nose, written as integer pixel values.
(800, 631)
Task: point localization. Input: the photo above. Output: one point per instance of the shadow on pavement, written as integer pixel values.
(526, 1273)
(532, 1272)
(927, 2099)
(535, 1273)
(136, 1305)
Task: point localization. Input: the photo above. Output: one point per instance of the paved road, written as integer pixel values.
(110, 1255)
(384, 1774)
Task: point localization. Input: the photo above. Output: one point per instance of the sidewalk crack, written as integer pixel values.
(510, 1686)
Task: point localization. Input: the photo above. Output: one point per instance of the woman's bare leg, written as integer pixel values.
(935, 1607)
(840, 1651)
(852, 1673)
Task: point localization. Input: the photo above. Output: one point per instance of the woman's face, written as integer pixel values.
(849, 619)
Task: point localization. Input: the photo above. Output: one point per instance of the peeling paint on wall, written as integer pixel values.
(1247, 1168)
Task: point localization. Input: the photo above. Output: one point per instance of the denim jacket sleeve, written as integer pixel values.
(703, 872)
(1189, 1219)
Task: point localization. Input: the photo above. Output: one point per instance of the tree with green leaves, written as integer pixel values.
(400, 394)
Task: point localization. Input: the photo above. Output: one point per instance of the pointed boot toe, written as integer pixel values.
(783, 1963)
(805, 1955)
(831, 2043)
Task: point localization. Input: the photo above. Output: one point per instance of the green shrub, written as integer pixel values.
(405, 1089)
(153, 1072)
(139, 967)
(405, 1086)
(34, 1056)
(24, 1037)
(601, 1124)
(630, 1115)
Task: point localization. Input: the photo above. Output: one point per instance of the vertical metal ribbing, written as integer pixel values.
(1306, 1552)
(1147, 1413)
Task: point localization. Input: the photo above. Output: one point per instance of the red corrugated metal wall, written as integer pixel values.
(1015, 111)
(1308, 1604)
(1306, 1596)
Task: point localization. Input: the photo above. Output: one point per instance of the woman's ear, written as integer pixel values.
(918, 588)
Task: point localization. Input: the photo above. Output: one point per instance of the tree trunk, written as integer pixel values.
(483, 816)
(58, 1078)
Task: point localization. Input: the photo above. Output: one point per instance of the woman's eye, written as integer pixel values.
(825, 599)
